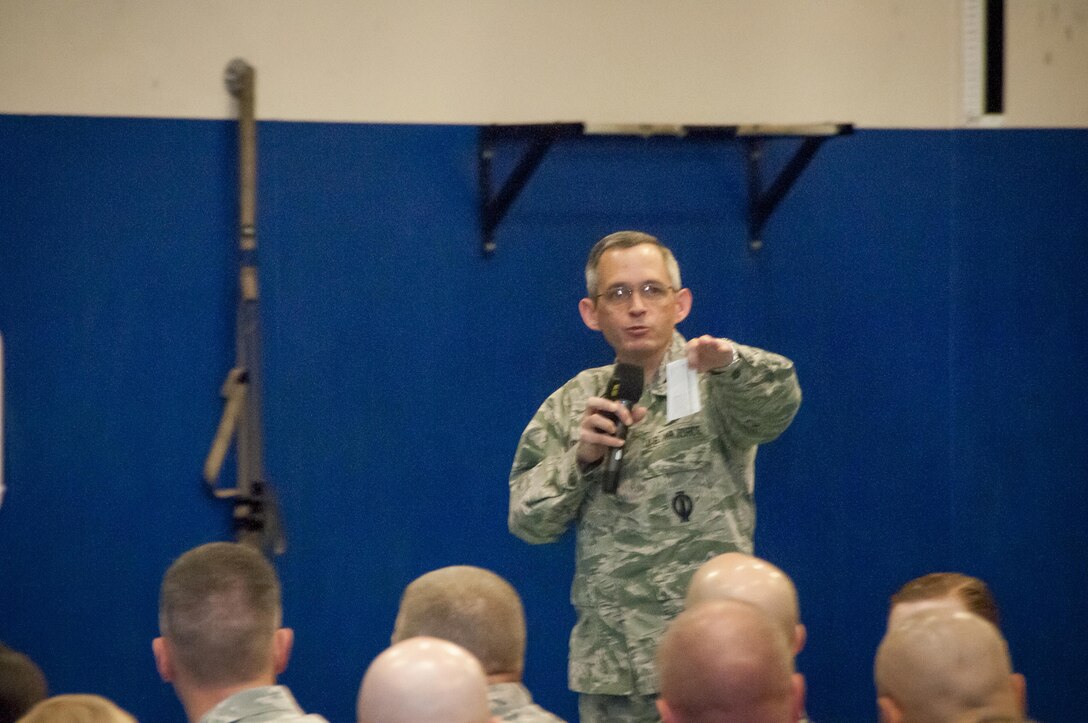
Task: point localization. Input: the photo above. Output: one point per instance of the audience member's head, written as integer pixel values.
(76, 709)
(22, 684)
(219, 617)
(943, 589)
(471, 607)
(424, 680)
(946, 665)
(736, 576)
(726, 661)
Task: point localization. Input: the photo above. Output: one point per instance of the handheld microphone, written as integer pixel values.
(624, 387)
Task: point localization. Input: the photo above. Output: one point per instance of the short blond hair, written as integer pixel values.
(219, 607)
(79, 708)
(469, 606)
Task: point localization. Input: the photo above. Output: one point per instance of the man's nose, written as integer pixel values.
(638, 304)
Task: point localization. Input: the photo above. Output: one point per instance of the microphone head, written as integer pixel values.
(626, 383)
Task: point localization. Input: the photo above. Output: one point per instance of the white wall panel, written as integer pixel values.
(877, 63)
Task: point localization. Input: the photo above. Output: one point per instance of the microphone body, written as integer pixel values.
(625, 387)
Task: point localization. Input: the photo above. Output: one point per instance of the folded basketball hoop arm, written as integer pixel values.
(762, 199)
(256, 514)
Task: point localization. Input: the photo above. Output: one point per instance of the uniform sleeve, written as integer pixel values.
(546, 485)
(754, 400)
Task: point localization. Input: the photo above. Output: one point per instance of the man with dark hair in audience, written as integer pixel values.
(481, 612)
(424, 680)
(944, 589)
(727, 661)
(942, 665)
(22, 684)
(222, 645)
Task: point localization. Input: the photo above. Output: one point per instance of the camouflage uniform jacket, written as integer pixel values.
(267, 704)
(685, 495)
(512, 703)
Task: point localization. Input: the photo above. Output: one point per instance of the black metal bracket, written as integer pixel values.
(541, 137)
(762, 201)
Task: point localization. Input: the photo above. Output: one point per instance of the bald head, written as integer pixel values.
(423, 680)
(899, 612)
(945, 665)
(736, 576)
(469, 606)
(727, 661)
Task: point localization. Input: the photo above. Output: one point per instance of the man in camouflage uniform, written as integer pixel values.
(686, 490)
(481, 612)
(221, 643)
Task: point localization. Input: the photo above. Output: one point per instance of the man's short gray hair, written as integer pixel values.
(219, 606)
(626, 240)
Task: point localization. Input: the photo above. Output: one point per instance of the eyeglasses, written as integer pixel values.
(622, 294)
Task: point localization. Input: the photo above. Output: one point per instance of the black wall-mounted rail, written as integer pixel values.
(762, 200)
(540, 137)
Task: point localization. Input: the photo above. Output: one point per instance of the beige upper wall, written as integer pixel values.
(875, 63)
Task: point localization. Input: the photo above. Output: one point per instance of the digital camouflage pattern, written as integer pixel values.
(618, 709)
(684, 497)
(512, 703)
(267, 704)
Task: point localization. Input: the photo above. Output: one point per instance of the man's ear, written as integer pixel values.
(588, 309)
(282, 642)
(800, 636)
(683, 305)
(663, 709)
(1020, 688)
(889, 710)
(163, 661)
(798, 682)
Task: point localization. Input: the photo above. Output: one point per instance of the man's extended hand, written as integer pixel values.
(708, 352)
(597, 432)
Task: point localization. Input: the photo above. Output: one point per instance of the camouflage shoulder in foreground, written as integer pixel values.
(267, 704)
(512, 703)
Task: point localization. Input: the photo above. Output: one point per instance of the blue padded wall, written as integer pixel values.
(929, 286)
(1019, 391)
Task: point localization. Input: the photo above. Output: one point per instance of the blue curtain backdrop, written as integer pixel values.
(928, 284)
